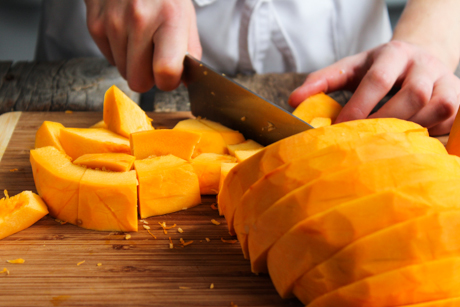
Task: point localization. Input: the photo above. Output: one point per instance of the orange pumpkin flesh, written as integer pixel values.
(116, 162)
(79, 141)
(319, 105)
(230, 136)
(20, 212)
(242, 155)
(225, 168)
(166, 184)
(122, 115)
(48, 135)
(246, 145)
(207, 166)
(163, 142)
(99, 124)
(320, 122)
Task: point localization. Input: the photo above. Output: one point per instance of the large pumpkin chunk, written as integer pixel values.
(79, 141)
(48, 135)
(164, 142)
(116, 162)
(166, 184)
(230, 136)
(108, 201)
(319, 105)
(122, 115)
(20, 212)
(207, 166)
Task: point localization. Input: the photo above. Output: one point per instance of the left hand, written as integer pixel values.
(429, 91)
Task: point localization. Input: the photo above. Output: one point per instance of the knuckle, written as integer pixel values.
(138, 15)
(445, 106)
(171, 10)
(96, 28)
(113, 25)
(420, 92)
(380, 78)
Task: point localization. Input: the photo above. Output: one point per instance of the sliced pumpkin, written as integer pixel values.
(319, 105)
(48, 135)
(225, 168)
(116, 162)
(230, 136)
(246, 145)
(242, 155)
(207, 166)
(99, 124)
(320, 122)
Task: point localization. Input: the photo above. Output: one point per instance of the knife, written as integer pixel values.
(218, 98)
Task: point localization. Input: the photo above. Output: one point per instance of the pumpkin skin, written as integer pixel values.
(246, 173)
(208, 167)
(319, 105)
(434, 280)
(166, 184)
(79, 141)
(163, 142)
(48, 135)
(122, 115)
(116, 162)
(20, 212)
(246, 145)
(311, 166)
(389, 249)
(450, 302)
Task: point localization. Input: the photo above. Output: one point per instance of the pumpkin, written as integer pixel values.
(320, 122)
(122, 115)
(229, 136)
(319, 105)
(242, 155)
(99, 124)
(207, 166)
(116, 162)
(246, 145)
(20, 212)
(48, 135)
(225, 168)
(163, 142)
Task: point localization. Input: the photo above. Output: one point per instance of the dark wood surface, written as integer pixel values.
(142, 271)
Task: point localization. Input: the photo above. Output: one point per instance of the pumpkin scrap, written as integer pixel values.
(17, 261)
(5, 271)
(215, 222)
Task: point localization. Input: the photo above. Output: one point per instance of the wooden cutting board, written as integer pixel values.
(141, 271)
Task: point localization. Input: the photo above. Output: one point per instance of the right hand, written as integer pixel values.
(145, 39)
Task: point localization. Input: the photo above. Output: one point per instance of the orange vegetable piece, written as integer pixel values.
(208, 166)
(321, 122)
(319, 105)
(164, 142)
(230, 136)
(225, 167)
(116, 162)
(122, 115)
(246, 145)
(99, 124)
(20, 212)
(48, 135)
(242, 155)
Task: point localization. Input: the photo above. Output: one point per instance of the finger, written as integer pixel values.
(194, 45)
(340, 75)
(96, 28)
(117, 36)
(415, 93)
(387, 68)
(442, 128)
(170, 44)
(443, 104)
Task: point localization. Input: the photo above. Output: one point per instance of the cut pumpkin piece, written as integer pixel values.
(211, 140)
(449, 302)
(319, 105)
(108, 201)
(99, 124)
(331, 190)
(166, 184)
(48, 135)
(122, 115)
(453, 142)
(242, 176)
(164, 142)
(116, 162)
(208, 166)
(246, 145)
(421, 283)
(20, 212)
(79, 141)
(225, 168)
(392, 248)
(242, 155)
(327, 160)
(230, 136)
(320, 122)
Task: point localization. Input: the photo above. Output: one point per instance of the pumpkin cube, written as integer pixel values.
(230, 136)
(116, 162)
(246, 145)
(48, 135)
(208, 166)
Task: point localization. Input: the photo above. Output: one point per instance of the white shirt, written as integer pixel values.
(245, 36)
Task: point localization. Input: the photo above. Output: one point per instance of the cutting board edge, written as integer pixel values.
(8, 122)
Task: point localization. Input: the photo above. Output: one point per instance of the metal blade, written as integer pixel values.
(219, 98)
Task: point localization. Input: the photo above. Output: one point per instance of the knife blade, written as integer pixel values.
(218, 98)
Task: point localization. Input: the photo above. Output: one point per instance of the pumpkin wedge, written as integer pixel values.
(242, 176)
(395, 247)
(230, 136)
(246, 145)
(116, 162)
(331, 190)
(162, 142)
(99, 124)
(319, 105)
(48, 135)
(122, 115)
(166, 184)
(208, 166)
(108, 201)
(430, 281)
(57, 181)
(327, 160)
(225, 168)
(20, 212)
(79, 141)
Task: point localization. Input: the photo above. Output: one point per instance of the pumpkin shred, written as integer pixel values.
(228, 241)
(215, 222)
(5, 271)
(14, 170)
(213, 206)
(19, 260)
(81, 262)
(151, 234)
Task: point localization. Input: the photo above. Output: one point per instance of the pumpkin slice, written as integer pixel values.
(331, 190)
(450, 302)
(166, 184)
(79, 141)
(211, 140)
(242, 155)
(320, 122)
(122, 115)
(246, 145)
(395, 247)
(108, 201)
(319, 105)
(164, 142)
(208, 166)
(435, 280)
(330, 159)
(57, 181)
(242, 176)
(230, 136)
(20, 212)
(99, 124)
(225, 168)
(116, 162)
(48, 135)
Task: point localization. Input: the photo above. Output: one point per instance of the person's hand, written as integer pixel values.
(145, 39)
(429, 91)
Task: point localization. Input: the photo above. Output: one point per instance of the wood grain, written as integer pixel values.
(142, 271)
